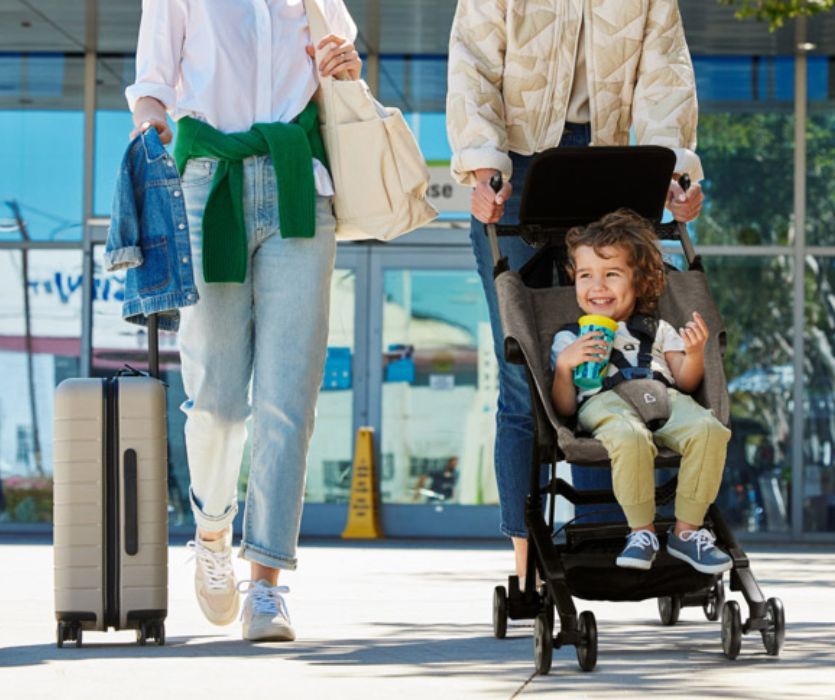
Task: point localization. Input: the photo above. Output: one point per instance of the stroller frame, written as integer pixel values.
(548, 557)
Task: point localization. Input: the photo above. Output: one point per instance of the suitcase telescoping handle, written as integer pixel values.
(153, 346)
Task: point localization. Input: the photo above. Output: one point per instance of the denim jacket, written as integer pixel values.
(149, 236)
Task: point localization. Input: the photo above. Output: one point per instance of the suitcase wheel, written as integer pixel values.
(150, 629)
(68, 632)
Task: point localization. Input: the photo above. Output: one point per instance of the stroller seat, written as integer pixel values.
(531, 318)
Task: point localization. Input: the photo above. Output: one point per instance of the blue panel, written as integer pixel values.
(725, 78)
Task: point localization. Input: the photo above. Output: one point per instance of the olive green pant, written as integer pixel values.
(692, 431)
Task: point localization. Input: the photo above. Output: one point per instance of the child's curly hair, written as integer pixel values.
(625, 229)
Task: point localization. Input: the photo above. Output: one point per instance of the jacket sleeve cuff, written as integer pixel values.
(688, 162)
(465, 162)
(123, 258)
(165, 94)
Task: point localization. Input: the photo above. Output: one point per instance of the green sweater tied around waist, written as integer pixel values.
(292, 148)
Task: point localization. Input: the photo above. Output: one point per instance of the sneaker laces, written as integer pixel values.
(266, 600)
(703, 538)
(642, 539)
(217, 566)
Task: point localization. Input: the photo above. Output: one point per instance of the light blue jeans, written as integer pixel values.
(255, 349)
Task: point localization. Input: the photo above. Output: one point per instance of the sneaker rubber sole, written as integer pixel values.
(701, 566)
(630, 563)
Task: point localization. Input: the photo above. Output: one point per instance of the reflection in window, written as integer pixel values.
(754, 298)
(746, 138)
(330, 459)
(819, 405)
(439, 389)
(26, 416)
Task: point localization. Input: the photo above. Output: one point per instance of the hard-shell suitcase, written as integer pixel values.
(110, 504)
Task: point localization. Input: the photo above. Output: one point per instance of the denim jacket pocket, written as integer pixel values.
(154, 273)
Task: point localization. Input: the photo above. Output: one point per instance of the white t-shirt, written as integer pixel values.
(233, 63)
(667, 339)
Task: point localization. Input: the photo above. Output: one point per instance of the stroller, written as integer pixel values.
(574, 186)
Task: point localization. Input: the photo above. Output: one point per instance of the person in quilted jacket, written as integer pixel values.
(528, 75)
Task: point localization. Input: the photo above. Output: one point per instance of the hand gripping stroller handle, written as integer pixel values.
(681, 228)
(496, 185)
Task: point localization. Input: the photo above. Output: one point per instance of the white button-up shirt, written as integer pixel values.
(232, 63)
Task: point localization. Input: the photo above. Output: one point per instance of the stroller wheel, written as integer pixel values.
(669, 608)
(731, 629)
(543, 644)
(775, 632)
(714, 601)
(499, 612)
(587, 647)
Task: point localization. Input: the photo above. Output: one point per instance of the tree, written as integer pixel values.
(775, 12)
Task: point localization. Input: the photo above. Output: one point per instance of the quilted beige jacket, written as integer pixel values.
(511, 66)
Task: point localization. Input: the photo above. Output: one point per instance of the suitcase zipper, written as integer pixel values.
(111, 616)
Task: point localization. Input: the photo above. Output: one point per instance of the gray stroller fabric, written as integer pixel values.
(532, 316)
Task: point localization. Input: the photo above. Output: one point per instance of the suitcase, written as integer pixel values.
(111, 504)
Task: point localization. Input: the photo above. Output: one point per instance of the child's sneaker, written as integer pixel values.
(697, 549)
(639, 552)
(265, 616)
(214, 579)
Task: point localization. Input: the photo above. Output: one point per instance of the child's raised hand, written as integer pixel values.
(591, 347)
(695, 335)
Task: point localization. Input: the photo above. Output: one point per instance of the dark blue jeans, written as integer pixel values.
(514, 417)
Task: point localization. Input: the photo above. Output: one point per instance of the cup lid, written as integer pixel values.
(597, 320)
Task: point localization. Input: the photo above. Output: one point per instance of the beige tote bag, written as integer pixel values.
(379, 174)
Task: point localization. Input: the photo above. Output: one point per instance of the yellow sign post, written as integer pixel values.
(364, 508)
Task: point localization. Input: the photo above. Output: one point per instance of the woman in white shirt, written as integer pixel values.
(238, 77)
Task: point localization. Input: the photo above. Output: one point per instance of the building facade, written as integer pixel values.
(410, 350)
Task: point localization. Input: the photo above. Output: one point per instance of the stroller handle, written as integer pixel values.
(674, 230)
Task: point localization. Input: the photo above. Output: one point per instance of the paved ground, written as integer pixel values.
(405, 620)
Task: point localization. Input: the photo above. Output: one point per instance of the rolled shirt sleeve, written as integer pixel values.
(159, 52)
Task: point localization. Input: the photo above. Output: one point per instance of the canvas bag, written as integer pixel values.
(379, 174)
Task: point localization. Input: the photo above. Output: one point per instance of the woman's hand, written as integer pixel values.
(486, 205)
(341, 59)
(591, 347)
(695, 335)
(150, 112)
(685, 206)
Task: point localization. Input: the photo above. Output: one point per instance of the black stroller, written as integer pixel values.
(567, 187)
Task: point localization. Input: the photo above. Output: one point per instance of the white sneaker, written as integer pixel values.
(265, 615)
(214, 579)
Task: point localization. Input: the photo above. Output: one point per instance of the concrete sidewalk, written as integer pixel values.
(408, 620)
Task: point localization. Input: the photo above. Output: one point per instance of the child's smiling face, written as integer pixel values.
(604, 283)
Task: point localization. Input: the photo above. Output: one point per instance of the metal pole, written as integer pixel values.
(27, 321)
(372, 59)
(87, 267)
(799, 244)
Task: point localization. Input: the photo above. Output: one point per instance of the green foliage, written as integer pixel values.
(775, 12)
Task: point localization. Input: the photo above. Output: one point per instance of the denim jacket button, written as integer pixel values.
(181, 227)
(185, 259)
(176, 193)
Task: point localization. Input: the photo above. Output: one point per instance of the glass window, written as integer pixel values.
(439, 389)
(330, 458)
(819, 408)
(754, 297)
(31, 370)
(42, 148)
(820, 153)
(746, 144)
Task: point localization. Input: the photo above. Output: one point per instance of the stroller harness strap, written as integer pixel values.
(640, 386)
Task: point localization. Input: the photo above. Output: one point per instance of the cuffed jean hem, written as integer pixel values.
(512, 533)
(211, 523)
(639, 514)
(690, 511)
(265, 558)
